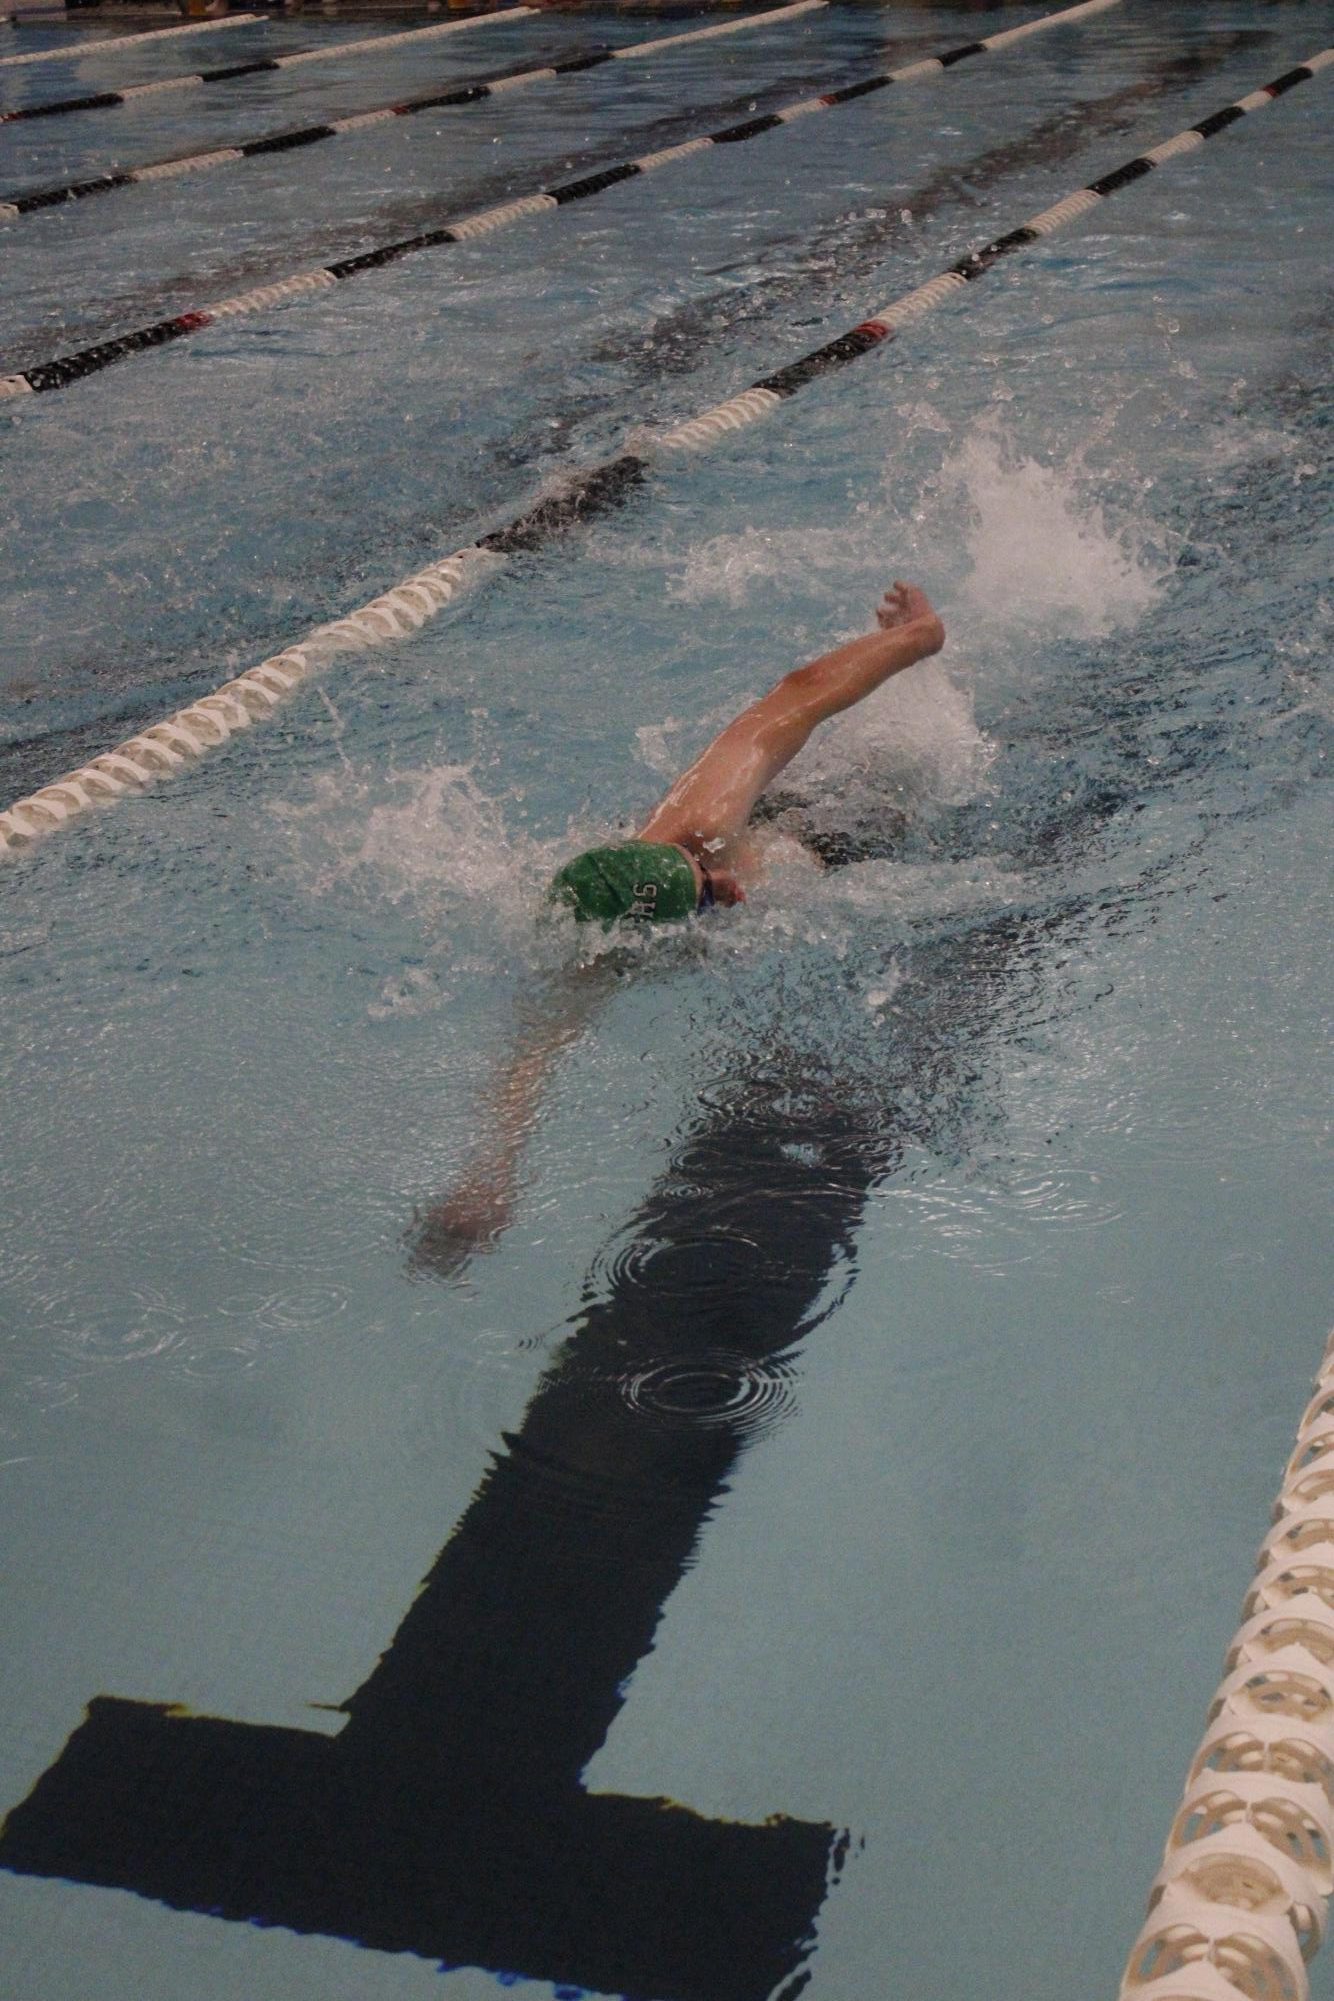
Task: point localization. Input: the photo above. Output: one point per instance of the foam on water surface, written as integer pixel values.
(1043, 561)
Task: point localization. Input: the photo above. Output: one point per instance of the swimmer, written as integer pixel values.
(693, 852)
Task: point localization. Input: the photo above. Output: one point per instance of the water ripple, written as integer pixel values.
(712, 1391)
(149, 1327)
(209, 1361)
(312, 1306)
(685, 1270)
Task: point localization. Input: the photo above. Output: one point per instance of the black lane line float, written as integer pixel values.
(854, 243)
(170, 745)
(111, 44)
(75, 367)
(358, 121)
(101, 100)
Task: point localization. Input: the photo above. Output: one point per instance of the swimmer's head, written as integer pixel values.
(644, 882)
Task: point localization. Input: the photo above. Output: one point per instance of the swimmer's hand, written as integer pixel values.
(445, 1238)
(906, 605)
(472, 1215)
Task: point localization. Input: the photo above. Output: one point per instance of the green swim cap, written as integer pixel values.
(644, 880)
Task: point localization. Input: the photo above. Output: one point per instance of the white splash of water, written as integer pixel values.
(668, 747)
(727, 568)
(1043, 559)
(1035, 548)
(654, 746)
(433, 844)
(412, 991)
(914, 740)
(430, 840)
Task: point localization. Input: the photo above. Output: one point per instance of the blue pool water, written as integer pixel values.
(872, 1412)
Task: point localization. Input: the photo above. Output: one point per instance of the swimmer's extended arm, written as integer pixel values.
(481, 1202)
(909, 630)
(710, 804)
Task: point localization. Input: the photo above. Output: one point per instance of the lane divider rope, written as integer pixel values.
(101, 100)
(466, 93)
(171, 745)
(1240, 1904)
(111, 44)
(75, 367)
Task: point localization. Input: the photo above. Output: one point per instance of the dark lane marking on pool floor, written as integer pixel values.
(448, 1816)
(86, 361)
(172, 744)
